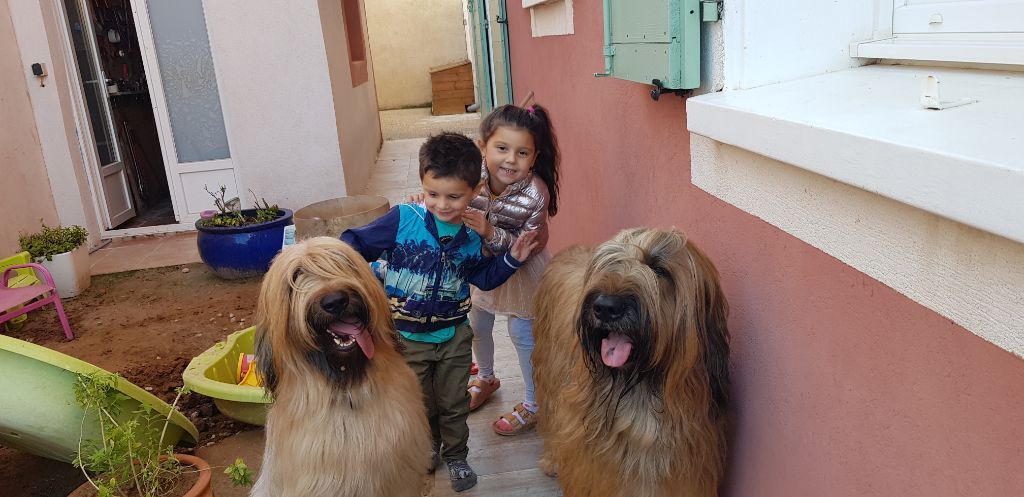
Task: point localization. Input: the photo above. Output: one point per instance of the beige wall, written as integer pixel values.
(407, 38)
(40, 34)
(355, 108)
(26, 196)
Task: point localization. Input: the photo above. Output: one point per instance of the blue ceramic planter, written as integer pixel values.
(244, 251)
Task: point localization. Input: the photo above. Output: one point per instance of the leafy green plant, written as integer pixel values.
(53, 240)
(128, 457)
(239, 474)
(231, 216)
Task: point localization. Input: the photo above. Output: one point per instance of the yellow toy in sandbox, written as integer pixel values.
(247, 373)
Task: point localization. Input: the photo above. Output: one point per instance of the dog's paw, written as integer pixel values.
(548, 467)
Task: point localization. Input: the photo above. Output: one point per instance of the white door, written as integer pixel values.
(186, 102)
(112, 179)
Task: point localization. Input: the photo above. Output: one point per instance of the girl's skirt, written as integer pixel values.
(515, 296)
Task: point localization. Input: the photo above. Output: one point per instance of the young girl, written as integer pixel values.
(520, 178)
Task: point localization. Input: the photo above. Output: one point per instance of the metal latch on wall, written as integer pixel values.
(932, 99)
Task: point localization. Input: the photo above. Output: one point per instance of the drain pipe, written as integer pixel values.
(609, 50)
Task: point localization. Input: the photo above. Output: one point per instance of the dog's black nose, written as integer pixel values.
(334, 303)
(609, 308)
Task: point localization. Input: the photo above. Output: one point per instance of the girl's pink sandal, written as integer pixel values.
(486, 388)
(518, 421)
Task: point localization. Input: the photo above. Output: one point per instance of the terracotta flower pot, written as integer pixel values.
(202, 488)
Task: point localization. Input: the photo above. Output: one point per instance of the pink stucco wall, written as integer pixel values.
(843, 387)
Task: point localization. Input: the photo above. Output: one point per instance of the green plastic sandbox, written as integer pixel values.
(213, 373)
(38, 412)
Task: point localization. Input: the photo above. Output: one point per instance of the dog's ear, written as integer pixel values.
(711, 314)
(265, 359)
(273, 312)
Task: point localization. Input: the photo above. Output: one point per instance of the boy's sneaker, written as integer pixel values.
(462, 476)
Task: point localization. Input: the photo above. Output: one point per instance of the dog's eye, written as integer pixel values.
(660, 271)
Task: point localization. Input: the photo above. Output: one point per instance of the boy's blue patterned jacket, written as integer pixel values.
(427, 281)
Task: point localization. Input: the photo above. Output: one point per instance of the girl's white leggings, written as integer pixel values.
(520, 331)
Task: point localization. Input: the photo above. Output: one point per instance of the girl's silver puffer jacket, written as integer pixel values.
(523, 206)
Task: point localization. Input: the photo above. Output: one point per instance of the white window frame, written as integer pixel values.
(550, 17)
(965, 31)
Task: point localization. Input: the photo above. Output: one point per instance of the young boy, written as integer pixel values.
(431, 258)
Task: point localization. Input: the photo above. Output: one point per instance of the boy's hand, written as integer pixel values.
(524, 246)
(416, 198)
(477, 221)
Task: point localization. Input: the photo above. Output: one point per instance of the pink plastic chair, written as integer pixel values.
(45, 292)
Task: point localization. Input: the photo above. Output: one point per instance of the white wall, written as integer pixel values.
(972, 277)
(407, 38)
(769, 42)
(274, 84)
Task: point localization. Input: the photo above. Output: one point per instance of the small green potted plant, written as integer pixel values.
(130, 460)
(61, 249)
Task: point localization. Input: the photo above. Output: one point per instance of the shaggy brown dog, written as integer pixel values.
(348, 416)
(631, 364)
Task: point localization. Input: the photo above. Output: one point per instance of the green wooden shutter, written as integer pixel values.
(647, 40)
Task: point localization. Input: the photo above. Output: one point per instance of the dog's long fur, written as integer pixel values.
(656, 426)
(341, 424)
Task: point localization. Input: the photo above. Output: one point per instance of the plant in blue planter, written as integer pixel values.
(239, 243)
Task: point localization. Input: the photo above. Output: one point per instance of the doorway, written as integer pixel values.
(149, 112)
(132, 178)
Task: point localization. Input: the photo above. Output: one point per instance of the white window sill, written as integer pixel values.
(1008, 49)
(866, 127)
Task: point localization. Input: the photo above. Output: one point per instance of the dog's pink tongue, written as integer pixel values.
(615, 350)
(363, 338)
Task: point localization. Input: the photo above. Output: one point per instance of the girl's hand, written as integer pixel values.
(524, 246)
(477, 221)
(416, 198)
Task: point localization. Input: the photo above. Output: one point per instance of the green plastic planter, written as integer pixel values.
(213, 373)
(38, 413)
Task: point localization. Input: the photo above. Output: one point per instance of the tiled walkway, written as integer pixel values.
(401, 124)
(128, 254)
(396, 174)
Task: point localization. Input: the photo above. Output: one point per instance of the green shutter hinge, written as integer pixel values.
(711, 10)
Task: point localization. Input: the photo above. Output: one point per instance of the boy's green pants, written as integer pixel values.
(443, 370)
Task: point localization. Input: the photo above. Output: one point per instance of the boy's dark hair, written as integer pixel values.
(451, 155)
(534, 119)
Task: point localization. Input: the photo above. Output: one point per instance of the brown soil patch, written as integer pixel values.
(146, 325)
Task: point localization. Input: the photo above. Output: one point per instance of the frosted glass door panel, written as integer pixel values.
(190, 85)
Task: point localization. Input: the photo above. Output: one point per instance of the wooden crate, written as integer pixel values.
(451, 88)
